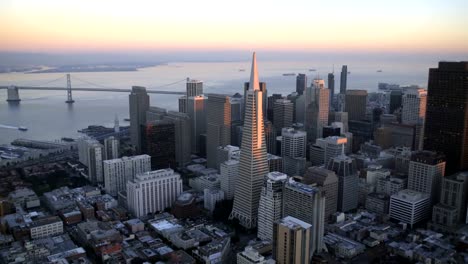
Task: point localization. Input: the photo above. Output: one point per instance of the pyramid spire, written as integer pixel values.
(254, 84)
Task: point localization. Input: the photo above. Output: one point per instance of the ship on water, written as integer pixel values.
(22, 128)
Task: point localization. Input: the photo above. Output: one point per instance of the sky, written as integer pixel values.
(58, 26)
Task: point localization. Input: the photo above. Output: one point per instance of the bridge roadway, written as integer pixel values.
(91, 89)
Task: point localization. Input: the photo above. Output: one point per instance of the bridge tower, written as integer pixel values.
(13, 94)
(69, 91)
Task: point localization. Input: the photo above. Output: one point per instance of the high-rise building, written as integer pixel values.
(355, 105)
(396, 101)
(331, 87)
(446, 114)
(343, 118)
(159, 139)
(155, 113)
(253, 163)
(410, 207)
(292, 242)
(348, 181)
(306, 203)
(211, 197)
(333, 147)
(293, 151)
(153, 191)
(218, 126)
(327, 181)
(116, 124)
(426, 170)
(194, 88)
(414, 112)
(271, 105)
(301, 83)
(282, 114)
(197, 112)
(91, 154)
(111, 148)
(317, 109)
(183, 104)
(139, 104)
(182, 126)
(226, 153)
(118, 171)
(451, 210)
(271, 203)
(263, 89)
(270, 137)
(343, 79)
(229, 171)
(390, 185)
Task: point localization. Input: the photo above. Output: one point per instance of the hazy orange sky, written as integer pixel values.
(329, 25)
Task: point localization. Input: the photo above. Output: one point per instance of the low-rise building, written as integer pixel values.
(48, 226)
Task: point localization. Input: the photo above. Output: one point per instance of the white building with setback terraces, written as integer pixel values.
(118, 171)
(153, 191)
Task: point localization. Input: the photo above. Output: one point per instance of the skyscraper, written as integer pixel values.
(218, 126)
(271, 105)
(263, 89)
(331, 87)
(183, 126)
(292, 241)
(410, 206)
(348, 181)
(139, 104)
(194, 88)
(355, 105)
(426, 170)
(293, 151)
(253, 164)
(306, 203)
(317, 109)
(301, 83)
(282, 114)
(446, 127)
(414, 113)
(396, 98)
(343, 79)
(327, 181)
(111, 148)
(271, 203)
(91, 154)
(197, 113)
(159, 138)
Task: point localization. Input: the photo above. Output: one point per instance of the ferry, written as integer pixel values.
(379, 71)
(22, 128)
(289, 74)
(242, 70)
(312, 70)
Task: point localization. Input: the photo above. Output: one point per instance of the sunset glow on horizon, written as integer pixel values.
(107, 26)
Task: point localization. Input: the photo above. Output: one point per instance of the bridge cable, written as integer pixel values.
(45, 83)
(166, 85)
(91, 83)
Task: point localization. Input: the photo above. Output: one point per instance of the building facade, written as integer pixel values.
(118, 171)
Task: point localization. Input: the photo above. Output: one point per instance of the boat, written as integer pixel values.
(22, 128)
(242, 70)
(289, 74)
(379, 71)
(312, 70)
(126, 119)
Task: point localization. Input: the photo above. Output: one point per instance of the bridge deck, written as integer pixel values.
(91, 89)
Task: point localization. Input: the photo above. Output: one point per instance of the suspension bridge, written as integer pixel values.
(13, 90)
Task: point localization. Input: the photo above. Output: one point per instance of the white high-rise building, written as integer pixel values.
(227, 153)
(111, 148)
(410, 207)
(194, 87)
(153, 191)
(293, 151)
(271, 202)
(253, 164)
(333, 146)
(413, 106)
(414, 112)
(229, 171)
(426, 170)
(91, 154)
(118, 171)
(211, 197)
(116, 124)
